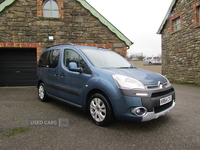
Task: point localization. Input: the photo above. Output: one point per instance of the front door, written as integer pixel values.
(73, 83)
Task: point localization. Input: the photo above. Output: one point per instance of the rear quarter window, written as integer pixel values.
(53, 58)
(43, 59)
(49, 58)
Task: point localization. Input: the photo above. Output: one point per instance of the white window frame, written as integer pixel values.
(177, 24)
(49, 12)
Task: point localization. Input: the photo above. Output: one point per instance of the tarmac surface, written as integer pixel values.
(28, 124)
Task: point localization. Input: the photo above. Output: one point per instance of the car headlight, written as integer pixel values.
(125, 82)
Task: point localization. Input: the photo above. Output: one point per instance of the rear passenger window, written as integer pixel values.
(53, 58)
(49, 58)
(43, 62)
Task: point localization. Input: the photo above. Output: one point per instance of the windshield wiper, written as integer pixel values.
(127, 67)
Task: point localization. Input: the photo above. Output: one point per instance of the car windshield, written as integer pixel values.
(106, 59)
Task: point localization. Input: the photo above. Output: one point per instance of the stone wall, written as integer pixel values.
(23, 23)
(181, 49)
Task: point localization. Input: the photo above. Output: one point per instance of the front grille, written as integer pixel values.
(162, 108)
(162, 93)
(158, 86)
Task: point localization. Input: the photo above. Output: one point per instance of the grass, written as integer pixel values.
(154, 68)
(19, 118)
(15, 131)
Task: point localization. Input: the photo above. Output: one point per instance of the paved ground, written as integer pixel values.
(28, 124)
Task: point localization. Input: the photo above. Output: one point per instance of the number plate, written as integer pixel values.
(165, 100)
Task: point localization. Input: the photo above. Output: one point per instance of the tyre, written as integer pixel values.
(100, 110)
(42, 93)
(150, 63)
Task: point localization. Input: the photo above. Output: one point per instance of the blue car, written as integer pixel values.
(103, 83)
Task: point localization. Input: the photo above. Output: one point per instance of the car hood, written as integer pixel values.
(144, 76)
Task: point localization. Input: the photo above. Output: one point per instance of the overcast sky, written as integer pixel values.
(139, 20)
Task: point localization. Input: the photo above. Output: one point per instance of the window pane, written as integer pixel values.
(105, 59)
(53, 58)
(71, 56)
(47, 5)
(177, 25)
(50, 9)
(43, 59)
(55, 14)
(47, 13)
(54, 5)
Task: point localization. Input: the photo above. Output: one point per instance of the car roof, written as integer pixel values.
(68, 45)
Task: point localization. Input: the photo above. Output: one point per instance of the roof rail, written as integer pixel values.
(61, 44)
(68, 43)
(101, 47)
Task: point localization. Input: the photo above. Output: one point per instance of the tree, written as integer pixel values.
(138, 56)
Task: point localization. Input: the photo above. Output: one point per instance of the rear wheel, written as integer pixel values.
(150, 63)
(100, 110)
(42, 93)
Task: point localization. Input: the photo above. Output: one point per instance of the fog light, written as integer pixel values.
(139, 111)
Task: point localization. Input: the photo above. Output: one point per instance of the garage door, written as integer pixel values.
(17, 66)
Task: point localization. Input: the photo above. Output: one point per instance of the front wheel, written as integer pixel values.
(100, 110)
(42, 93)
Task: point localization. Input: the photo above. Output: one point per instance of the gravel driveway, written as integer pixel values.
(28, 124)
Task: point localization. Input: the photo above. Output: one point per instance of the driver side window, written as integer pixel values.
(72, 56)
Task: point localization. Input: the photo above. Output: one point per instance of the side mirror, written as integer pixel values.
(73, 67)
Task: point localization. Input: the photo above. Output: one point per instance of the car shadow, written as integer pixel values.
(144, 126)
(70, 109)
(161, 122)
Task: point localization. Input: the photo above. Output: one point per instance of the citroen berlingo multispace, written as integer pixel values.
(103, 83)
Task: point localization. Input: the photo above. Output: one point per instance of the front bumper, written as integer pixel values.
(151, 103)
(152, 115)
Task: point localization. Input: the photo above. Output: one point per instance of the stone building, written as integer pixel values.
(29, 26)
(180, 32)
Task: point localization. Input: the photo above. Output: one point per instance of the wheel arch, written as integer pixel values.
(38, 83)
(93, 91)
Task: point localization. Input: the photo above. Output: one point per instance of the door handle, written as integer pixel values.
(62, 74)
(55, 74)
(17, 71)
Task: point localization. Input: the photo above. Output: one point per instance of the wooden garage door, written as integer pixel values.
(17, 66)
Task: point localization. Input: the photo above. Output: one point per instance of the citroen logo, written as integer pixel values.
(160, 85)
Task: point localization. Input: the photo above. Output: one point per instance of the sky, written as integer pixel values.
(138, 20)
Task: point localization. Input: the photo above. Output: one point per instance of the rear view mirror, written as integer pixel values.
(73, 67)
